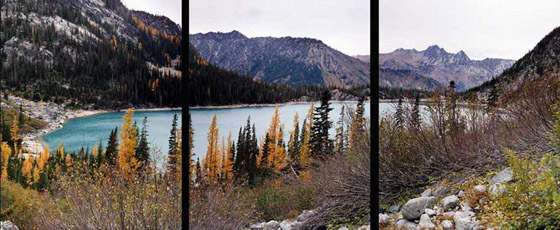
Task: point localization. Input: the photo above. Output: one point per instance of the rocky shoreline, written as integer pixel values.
(297, 223)
(54, 116)
(453, 210)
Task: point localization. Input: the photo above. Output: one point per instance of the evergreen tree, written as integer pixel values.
(143, 150)
(321, 145)
(100, 157)
(340, 143)
(191, 147)
(357, 126)
(294, 145)
(198, 178)
(416, 119)
(112, 145)
(265, 153)
(173, 148)
(399, 116)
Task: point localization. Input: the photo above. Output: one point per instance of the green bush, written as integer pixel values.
(533, 200)
(277, 200)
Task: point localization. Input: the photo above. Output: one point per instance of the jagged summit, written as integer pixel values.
(436, 63)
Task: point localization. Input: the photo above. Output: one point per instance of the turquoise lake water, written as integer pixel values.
(231, 119)
(87, 131)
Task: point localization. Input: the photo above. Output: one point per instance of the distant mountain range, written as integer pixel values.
(285, 60)
(437, 64)
(406, 79)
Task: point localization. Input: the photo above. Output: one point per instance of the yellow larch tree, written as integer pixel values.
(6, 153)
(277, 152)
(212, 153)
(68, 160)
(15, 130)
(227, 165)
(305, 156)
(27, 167)
(127, 147)
(42, 160)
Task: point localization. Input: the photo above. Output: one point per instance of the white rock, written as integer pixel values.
(272, 224)
(8, 225)
(426, 223)
(497, 189)
(427, 193)
(449, 202)
(447, 224)
(257, 226)
(365, 227)
(430, 212)
(305, 215)
(504, 176)
(461, 194)
(466, 207)
(464, 220)
(480, 189)
(383, 218)
(414, 208)
(343, 228)
(287, 225)
(405, 224)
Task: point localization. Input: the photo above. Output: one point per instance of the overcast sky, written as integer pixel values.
(343, 25)
(168, 8)
(482, 28)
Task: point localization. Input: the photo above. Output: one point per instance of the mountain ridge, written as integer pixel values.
(283, 60)
(436, 63)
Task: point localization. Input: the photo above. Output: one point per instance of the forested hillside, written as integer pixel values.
(210, 85)
(93, 54)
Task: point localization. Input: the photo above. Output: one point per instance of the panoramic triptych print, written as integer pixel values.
(469, 114)
(279, 105)
(90, 115)
(278, 115)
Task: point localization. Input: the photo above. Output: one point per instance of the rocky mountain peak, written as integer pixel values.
(284, 60)
(436, 63)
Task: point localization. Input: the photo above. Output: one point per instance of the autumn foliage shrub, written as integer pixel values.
(343, 185)
(224, 207)
(467, 136)
(110, 199)
(533, 200)
(282, 199)
(18, 204)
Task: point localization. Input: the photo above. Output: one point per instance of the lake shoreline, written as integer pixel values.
(55, 116)
(237, 106)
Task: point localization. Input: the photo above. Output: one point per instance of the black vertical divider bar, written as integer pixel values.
(374, 113)
(185, 161)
